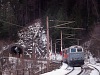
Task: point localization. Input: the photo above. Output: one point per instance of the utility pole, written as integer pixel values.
(61, 40)
(78, 41)
(55, 48)
(51, 45)
(47, 23)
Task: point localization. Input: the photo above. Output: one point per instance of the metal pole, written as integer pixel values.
(77, 41)
(61, 40)
(55, 48)
(51, 45)
(98, 52)
(47, 42)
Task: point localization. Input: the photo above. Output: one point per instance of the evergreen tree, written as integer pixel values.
(7, 22)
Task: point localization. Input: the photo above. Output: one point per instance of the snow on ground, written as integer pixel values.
(64, 69)
(96, 65)
(54, 57)
(60, 71)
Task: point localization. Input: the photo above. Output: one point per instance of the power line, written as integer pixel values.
(73, 38)
(69, 34)
(11, 23)
(62, 24)
(71, 28)
(17, 24)
(60, 21)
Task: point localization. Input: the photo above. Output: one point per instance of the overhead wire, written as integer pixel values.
(62, 24)
(10, 23)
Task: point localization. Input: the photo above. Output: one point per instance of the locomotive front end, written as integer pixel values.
(76, 56)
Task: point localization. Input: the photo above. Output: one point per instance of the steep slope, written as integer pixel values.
(33, 38)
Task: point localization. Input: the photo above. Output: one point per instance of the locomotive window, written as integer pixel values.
(79, 49)
(73, 50)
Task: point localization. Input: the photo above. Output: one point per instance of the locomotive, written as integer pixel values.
(75, 56)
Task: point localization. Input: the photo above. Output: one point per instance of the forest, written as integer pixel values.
(16, 14)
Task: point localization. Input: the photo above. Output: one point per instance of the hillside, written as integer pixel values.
(17, 14)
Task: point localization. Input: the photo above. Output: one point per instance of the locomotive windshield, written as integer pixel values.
(79, 49)
(73, 49)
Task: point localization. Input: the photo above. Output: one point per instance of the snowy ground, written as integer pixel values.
(64, 69)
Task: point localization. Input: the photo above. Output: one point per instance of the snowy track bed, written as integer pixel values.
(65, 70)
(75, 70)
(87, 69)
(96, 68)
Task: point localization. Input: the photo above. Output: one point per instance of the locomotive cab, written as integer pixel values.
(75, 56)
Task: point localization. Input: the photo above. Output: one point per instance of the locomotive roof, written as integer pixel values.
(75, 46)
(65, 49)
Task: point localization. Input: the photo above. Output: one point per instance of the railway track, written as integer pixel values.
(70, 71)
(74, 71)
(80, 71)
(86, 69)
(95, 68)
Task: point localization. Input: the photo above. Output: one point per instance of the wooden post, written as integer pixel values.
(47, 42)
(61, 40)
(77, 41)
(51, 45)
(55, 48)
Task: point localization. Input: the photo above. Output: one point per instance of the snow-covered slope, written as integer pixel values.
(32, 38)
